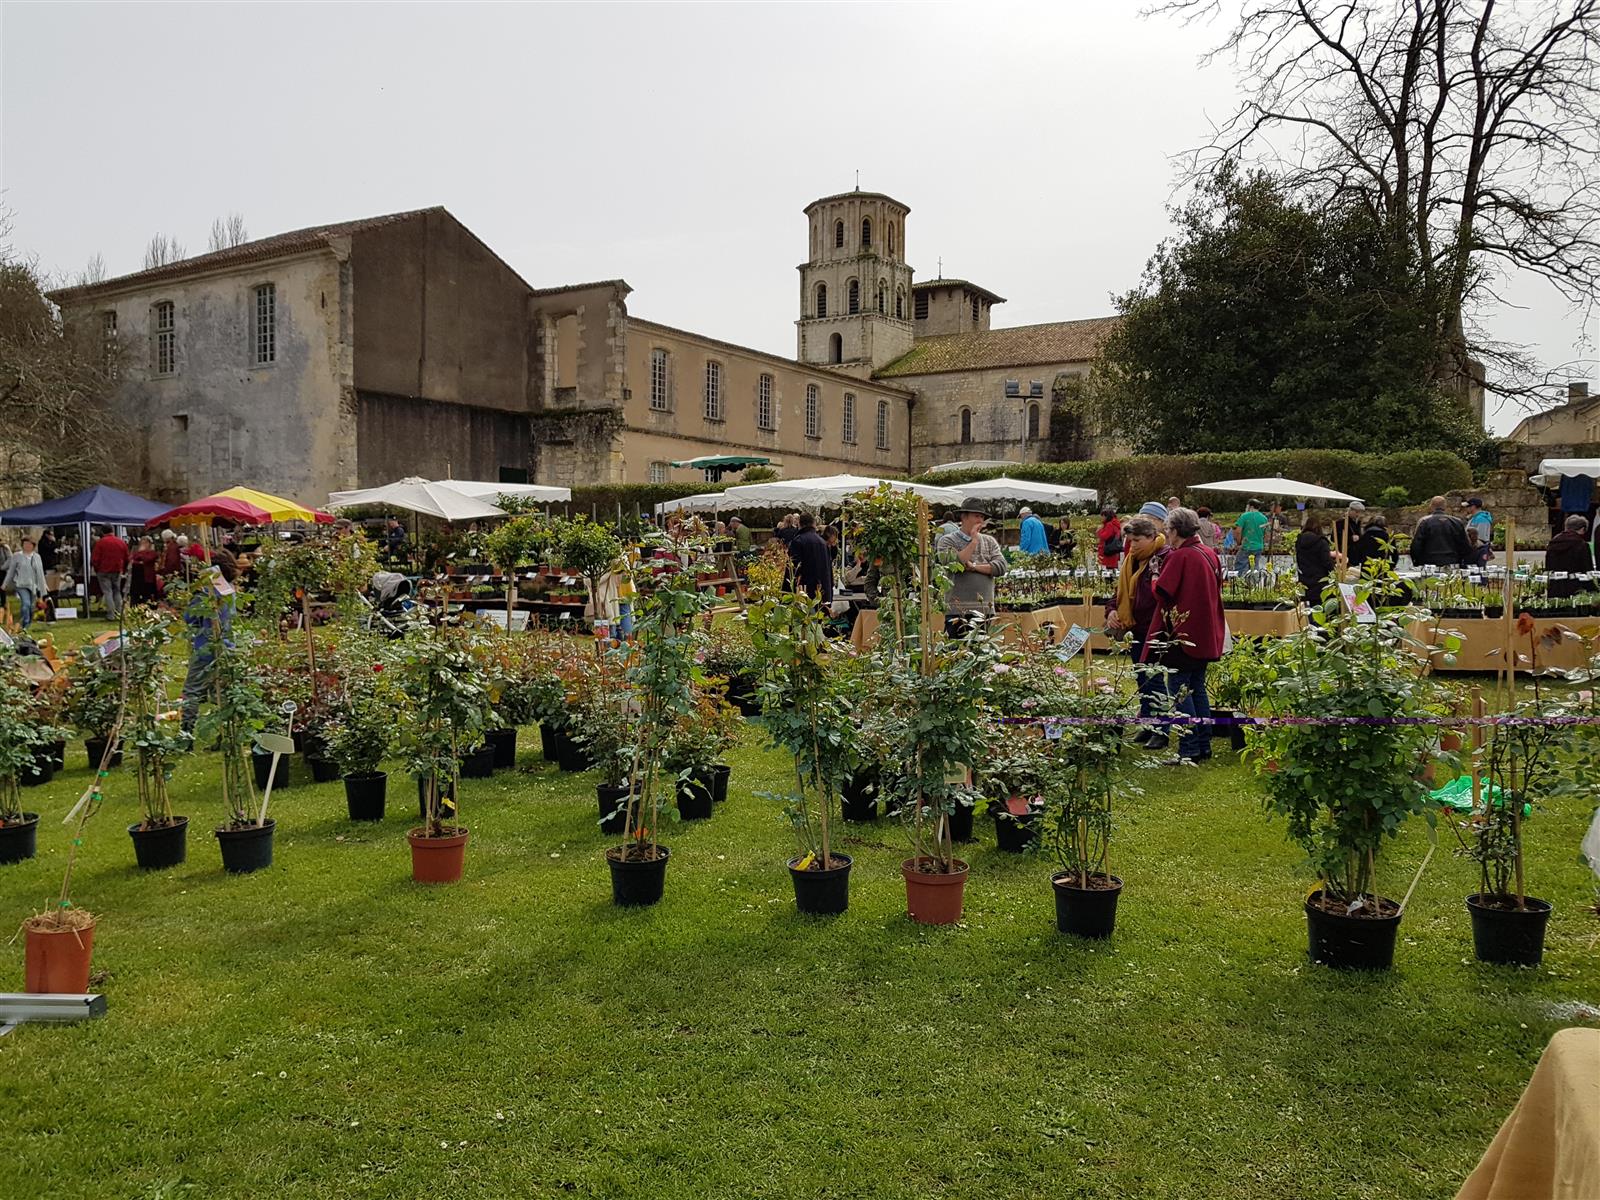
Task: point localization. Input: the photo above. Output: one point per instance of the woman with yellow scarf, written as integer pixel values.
(1133, 610)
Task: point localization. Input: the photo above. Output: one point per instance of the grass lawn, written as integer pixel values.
(326, 1028)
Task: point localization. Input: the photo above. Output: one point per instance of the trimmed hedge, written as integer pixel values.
(1134, 480)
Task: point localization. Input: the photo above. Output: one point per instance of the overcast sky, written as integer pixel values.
(671, 145)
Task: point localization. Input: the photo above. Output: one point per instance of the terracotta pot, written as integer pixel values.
(57, 960)
(1450, 742)
(934, 899)
(437, 859)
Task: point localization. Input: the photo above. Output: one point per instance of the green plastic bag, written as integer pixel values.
(1457, 794)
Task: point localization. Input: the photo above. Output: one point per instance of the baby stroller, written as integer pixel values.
(390, 602)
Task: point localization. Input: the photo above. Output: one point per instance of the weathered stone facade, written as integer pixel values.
(855, 289)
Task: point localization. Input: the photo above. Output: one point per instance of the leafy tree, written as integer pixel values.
(1265, 324)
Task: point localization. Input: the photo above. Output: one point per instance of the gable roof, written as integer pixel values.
(279, 245)
(1022, 346)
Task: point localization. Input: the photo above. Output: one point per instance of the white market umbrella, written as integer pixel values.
(1027, 490)
(704, 502)
(1273, 485)
(825, 490)
(483, 490)
(418, 495)
(1570, 466)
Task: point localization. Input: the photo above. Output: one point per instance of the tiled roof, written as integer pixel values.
(582, 287)
(1024, 346)
(929, 284)
(858, 194)
(276, 246)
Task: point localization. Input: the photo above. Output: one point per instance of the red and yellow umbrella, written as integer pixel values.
(242, 505)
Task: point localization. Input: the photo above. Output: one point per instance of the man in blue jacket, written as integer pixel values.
(1033, 538)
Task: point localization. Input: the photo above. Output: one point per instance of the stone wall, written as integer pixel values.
(999, 422)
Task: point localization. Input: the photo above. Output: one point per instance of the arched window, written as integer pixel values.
(838, 235)
(866, 233)
(836, 349)
(883, 424)
(822, 299)
(883, 296)
(889, 233)
(966, 426)
(1033, 420)
(855, 297)
(899, 304)
(813, 417)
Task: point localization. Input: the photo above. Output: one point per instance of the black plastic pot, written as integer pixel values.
(262, 765)
(447, 798)
(1015, 834)
(323, 770)
(96, 749)
(570, 755)
(19, 840)
(961, 824)
(479, 764)
(57, 752)
(822, 892)
(1227, 727)
(160, 846)
(613, 813)
(364, 795)
(504, 744)
(1351, 943)
(634, 884)
(1508, 935)
(248, 848)
(858, 800)
(547, 743)
(42, 771)
(719, 782)
(742, 695)
(1086, 912)
(694, 796)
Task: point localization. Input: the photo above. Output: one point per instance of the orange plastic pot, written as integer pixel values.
(934, 898)
(437, 859)
(57, 960)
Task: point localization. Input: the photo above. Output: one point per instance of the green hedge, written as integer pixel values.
(1131, 481)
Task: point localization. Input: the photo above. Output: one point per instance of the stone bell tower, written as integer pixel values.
(855, 287)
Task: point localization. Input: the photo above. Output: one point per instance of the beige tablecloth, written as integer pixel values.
(1549, 1147)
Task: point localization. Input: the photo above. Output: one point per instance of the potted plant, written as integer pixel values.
(806, 716)
(590, 550)
(694, 748)
(1346, 788)
(156, 738)
(361, 737)
(661, 676)
(94, 699)
(510, 545)
(729, 655)
(238, 714)
(604, 724)
(23, 733)
(447, 710)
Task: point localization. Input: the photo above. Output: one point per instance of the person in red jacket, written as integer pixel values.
(1189, 591)
(171, 556)
(1108, 539)
(109, 560)
(142, 566)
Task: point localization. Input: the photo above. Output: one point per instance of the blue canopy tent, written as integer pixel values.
(97, 505)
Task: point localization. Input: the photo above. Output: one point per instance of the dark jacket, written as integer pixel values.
(1568, 551)
(1375, 542)
(1313, 560)
(1440, 541)
(813, 566)
(1144, 595)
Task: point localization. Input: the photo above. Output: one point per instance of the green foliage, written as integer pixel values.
(238, 712)
(23, 730)
(154, 734)
(1394, 496)
(513, 543)
(885, 526)
(447, 710)
(363, 728)
(287, 572)
(700, 737)
(588, 548)
(757, 474)
(1083, 768)
(1265, 324)
(94, 692)
(1134, 480)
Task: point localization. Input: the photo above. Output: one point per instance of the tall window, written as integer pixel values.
(658, 472)
(165, 322)
(974, 310)
(108, 340)
(889, 234)
(847, 427)
(883, 296)
(822, 299)
(660, 380)
(966, 425)
(1033, 420)
(855, 296)
(883, 424)
(764, 403)
(899, 304)
(264, 339)
(813, 417)
(836, 349)
(713, 397)
(838, 235)
(866, 233)
(919, 306)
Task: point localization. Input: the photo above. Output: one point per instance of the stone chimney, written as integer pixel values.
(1577, 391)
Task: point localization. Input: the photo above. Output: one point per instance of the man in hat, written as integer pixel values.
(1481, 519)
(976, 561)
(1033, 539)
(1346, 531)
(740, 532)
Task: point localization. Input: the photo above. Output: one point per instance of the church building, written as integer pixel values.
(349, 355)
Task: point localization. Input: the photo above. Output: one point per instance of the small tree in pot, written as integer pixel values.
(362, 735)
(604, 725)
(591, 550)
(24, 731)
(695, 746)
(157, 739)
(94, 701)
(509, 546)
(238, 714)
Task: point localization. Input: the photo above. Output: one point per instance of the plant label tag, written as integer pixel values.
(66, 614)
(1358, 606)
(1073, 643)
(1052, 733)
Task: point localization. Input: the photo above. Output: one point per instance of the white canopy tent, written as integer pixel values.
(418, 495)
(824, 491)
(977, 464)
(483, 490)
(702, 502)
(1273, 485)
(1027, 491)
(1569, 466)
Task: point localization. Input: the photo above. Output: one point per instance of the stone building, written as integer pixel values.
(1576, 421)
(350, 355)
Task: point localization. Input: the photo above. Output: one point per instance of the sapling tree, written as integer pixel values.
(238, 712)
(447, 710)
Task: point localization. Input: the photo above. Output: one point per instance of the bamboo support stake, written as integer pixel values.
(1509, 618)
(1477, 748)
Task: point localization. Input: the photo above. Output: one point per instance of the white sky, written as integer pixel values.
(670, 145)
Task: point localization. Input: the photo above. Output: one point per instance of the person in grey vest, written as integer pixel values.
(976, 562)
